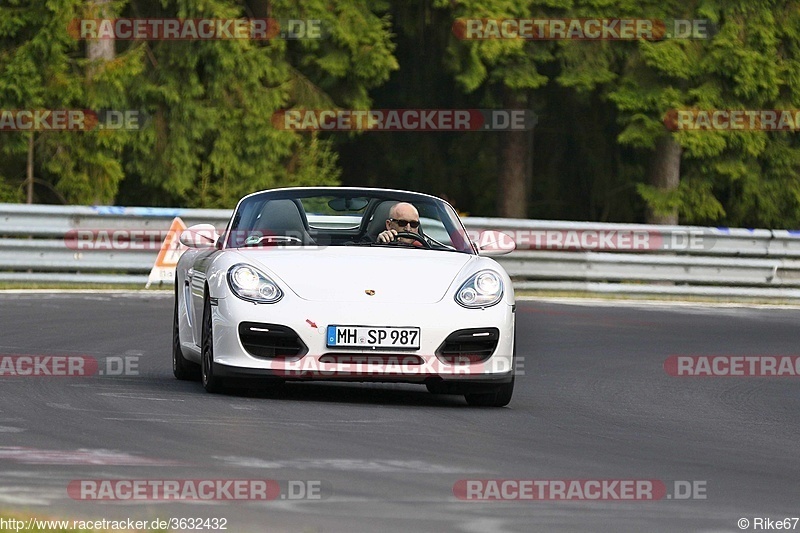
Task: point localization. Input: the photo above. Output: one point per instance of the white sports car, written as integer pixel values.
(299, 287)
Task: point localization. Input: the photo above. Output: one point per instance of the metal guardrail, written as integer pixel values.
(55, 221)
(35, 246)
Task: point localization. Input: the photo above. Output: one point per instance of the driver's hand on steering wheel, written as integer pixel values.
(387, 236)
(391, 236)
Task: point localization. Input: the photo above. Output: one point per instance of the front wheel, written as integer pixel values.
(210, 382)
(500, 397)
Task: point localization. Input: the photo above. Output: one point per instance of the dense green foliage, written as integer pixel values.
(208, 138)
(601, 105)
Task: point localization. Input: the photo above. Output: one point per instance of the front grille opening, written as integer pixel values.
(467, 346)
(270, 340)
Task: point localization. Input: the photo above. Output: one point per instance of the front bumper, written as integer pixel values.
(316, 361)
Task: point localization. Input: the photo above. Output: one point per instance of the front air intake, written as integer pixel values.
(270, 340)
(469, 345)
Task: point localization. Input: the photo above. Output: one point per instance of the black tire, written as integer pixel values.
(498, 398)
(182, 368)
(210, 382)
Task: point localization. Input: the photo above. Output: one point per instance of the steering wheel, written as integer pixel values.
(416, 236)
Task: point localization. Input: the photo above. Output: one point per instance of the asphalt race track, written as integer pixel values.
(594, 403)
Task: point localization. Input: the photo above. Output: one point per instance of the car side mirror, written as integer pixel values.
(493, 243)
(199, 236)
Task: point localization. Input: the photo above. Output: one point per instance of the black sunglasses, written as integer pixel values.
(403, 223)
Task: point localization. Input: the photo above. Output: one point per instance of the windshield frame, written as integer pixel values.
(447, 214)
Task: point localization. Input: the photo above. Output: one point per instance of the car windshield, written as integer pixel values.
(340, 217)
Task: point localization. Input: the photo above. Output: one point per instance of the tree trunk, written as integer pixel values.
(665, 175)
(101, 48)
(260, 9)
(99, 51)
(512, 194)
(29, 169)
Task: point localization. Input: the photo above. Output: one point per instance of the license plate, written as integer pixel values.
(369, 337)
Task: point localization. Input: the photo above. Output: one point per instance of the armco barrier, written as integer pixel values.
(550, 255)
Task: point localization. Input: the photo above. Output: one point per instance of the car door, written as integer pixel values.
(196, 276)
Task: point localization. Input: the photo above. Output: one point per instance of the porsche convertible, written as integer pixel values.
(302, 286)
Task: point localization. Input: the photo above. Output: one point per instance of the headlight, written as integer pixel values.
(482, 289)
(250, 284)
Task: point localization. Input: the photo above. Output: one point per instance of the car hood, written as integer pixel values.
(345, 274)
